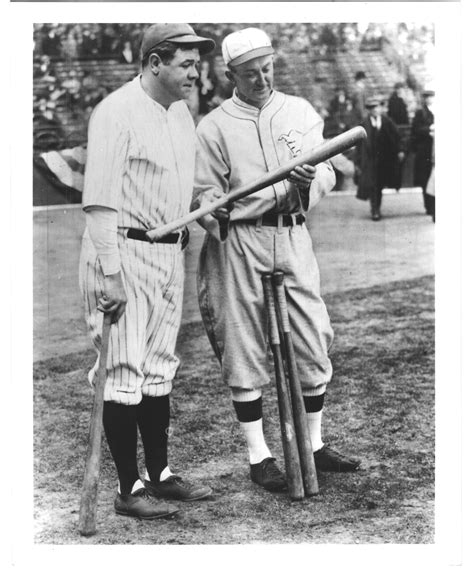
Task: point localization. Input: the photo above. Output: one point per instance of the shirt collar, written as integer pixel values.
(376, 122)
(136, 82)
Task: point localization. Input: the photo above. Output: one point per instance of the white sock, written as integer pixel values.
(138, 485)
(166, 473)
(314, 425)
(257, 447)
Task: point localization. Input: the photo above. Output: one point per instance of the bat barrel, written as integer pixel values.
(319, 154)
(288, 434)
(308, 468)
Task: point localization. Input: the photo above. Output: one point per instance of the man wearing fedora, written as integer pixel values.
(377, 158)
(253, 132)
(422, 139)
(139, 175)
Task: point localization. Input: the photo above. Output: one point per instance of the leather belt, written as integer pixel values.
(271, 219)
(173, 238)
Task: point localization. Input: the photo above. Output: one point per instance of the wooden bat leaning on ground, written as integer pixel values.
(88, 507)
(288, 434)
(319, 154)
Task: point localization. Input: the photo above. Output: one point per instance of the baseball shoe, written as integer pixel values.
(328, 460)
(175, 488)
(267, 475)
(142, 505)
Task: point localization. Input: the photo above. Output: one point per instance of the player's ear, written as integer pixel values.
(230, 76)
(154, 63)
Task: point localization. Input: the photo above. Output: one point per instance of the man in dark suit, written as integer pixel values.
(422, 136)
(377, 158)
(398, 113)
(397, 108)
(359, 95)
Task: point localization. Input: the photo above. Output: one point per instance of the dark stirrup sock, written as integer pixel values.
(153, 417)
(120, 427)
(314, 404)
(248, 411)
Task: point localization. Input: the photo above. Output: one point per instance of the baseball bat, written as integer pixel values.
(288, 435)
(88, 507)
(308, 468)
(319, 154)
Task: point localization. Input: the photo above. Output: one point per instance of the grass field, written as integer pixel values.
(379, 407)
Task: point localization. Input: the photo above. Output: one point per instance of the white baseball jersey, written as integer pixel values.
(140, 162)
(238, 143)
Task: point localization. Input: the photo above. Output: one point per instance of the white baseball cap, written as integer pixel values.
(244, 45)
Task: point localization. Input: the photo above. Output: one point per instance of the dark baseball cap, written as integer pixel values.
(183, 34)
(374, 101)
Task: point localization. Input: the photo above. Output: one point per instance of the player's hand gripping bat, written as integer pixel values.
(319, 154)
(88, 507)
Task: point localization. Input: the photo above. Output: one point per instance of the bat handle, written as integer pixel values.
(273, 334)
(88, 505)
(279, 288)
(308, 468)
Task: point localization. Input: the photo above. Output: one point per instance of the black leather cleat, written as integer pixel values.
(142, 505)
(175, 488)
(329, 460)
(267, 474)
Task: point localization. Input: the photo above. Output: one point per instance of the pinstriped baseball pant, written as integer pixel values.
(141, 359)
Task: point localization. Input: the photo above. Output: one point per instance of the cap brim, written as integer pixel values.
(204, 45)
(252, 54)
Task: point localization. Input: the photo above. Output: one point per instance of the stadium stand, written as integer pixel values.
(77, 65)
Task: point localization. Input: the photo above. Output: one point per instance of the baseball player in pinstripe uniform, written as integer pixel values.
(255, 131)
(139, 175)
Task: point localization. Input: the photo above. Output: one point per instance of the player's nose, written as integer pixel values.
(193, 72)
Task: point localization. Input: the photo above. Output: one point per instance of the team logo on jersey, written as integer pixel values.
(293, 141)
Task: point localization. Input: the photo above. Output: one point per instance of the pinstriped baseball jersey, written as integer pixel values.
(140, 162)
(140, 158)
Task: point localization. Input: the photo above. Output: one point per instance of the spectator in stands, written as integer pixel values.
(422, 138)
(90, 40)
(206, 85)
(377, 157)
(398, 113)
(72, 91)
(110, 40)
(359, 96)
(397, 107)
(372, 38)
(92, 91)
(329, 38)
(51, 41)
(127, 55)
(341, 112)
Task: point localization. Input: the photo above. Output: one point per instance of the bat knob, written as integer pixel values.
(278, 277)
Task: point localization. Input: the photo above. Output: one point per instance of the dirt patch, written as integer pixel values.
(379, 407)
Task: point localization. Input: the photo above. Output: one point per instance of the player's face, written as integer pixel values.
(375, 111)
(254, 80)
(179, 76)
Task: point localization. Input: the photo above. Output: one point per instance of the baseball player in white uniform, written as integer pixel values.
(255, 131)
(139, 175)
